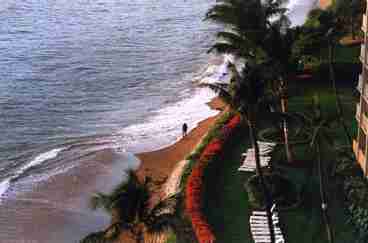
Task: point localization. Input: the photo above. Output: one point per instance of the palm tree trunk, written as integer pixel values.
(337, 97)
(268, 199)
(288, 151)
(324, 206)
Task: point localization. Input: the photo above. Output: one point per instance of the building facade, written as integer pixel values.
(360, 143)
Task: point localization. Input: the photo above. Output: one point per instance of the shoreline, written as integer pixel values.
(165, 165)
(162, 164)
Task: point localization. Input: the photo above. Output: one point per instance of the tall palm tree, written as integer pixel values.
(325, 27)
(247, 25)
(131, 206)
(256, 29)
(320, 127)
(339, 109)
(350, 13)
(244, 94)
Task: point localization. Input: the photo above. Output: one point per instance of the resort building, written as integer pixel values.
(360, 144)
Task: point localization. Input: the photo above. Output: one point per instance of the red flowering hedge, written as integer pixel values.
(194, 186)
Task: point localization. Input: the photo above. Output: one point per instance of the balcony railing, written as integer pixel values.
(364, 23)
(364, 124)
(362, 53)
(360, 83)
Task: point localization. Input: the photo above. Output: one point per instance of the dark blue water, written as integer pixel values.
(78, 77)
(78, 68)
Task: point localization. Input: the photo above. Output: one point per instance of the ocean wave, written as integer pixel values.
(40, 159)
(164, 128)
(5, 184)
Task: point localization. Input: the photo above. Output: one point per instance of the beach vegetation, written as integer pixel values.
(226, 208)
(245, 94)
(195, 155)
(320, 127)
(260, 30)
(283, 191)
(194, 183)
(131, 208)
(350, 14)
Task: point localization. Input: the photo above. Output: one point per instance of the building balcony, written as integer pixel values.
(360, 84)
(362, 53)
(362, 123)
(364, 23)
(359, 155)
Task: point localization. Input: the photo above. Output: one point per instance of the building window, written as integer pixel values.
(362, 141)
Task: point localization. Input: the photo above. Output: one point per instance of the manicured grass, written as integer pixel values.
(347, 53)
(342, 54)
(226, 203)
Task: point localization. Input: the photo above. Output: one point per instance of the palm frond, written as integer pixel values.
(161, 223)
(222, 13)
(101, 200)
(224, 47)
(316, 132)
(165, 205)
(222, 90)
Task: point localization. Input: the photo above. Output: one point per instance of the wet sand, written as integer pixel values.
(165, 165)
(161, 163)
(57, 210)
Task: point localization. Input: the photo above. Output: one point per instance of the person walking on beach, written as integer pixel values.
(185, 129)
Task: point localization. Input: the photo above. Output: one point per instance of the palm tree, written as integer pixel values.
(259, 30)
(247, 25)
(325, 28)
(320, 128)
(350, 13)
(331, 44)
(283, 63)
(245, 94)
(130, 205)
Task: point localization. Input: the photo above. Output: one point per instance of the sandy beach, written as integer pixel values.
(165, 165)
(160, 164)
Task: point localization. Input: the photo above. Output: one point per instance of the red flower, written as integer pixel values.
(193, 190)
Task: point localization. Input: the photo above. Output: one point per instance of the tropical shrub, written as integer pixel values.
(282, 190)
(215, 132)
(356, 194)
(194, 183)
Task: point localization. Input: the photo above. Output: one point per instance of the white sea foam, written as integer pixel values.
(165, 127)
(4, 186)
(216, 72)
(40, 159)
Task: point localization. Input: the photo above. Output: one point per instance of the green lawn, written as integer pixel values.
(226, 203)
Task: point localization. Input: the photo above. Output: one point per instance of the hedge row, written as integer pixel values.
(355, 188)
(194, 183)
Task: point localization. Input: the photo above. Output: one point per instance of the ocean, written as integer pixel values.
(80, 77)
